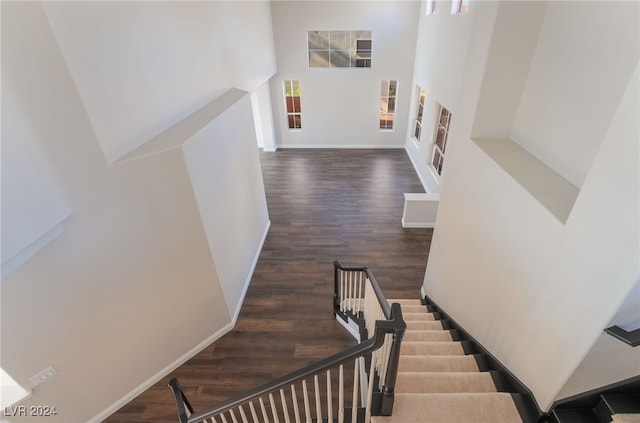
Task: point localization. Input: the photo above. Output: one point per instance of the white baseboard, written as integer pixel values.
(406, 224)
(247, 282)
(161, 374)
(344, 146)
(189, 354)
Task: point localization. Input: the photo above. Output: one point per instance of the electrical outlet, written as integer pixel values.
(43, 375)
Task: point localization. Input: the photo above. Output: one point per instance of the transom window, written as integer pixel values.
(459, 6)
(440, 145)
(417, 126)
(292, 103)
(339, 49)
(431, 7)
(388, 94)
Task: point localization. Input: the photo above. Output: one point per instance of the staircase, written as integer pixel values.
(605, 408)
(410, 366)
(439, 380)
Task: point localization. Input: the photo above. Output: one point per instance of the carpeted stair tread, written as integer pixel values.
(438, 363)
(431, 348)
(405, 301)
(444, 382)
(452, 408)
(417, 316)
(626, 418)
(414, 309)
(427, 335)
(423, 325)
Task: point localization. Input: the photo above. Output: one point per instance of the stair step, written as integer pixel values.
(438, 363)
(418, 316)
(423, 325)
(626, 418)
(574, 415)
(405, 301)
(611, 404)
(428, 335)
(431, 348)
(452, 408)
(414, 309)
(444, 382)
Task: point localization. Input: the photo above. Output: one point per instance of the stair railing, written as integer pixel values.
(358, 297)
(308, 395)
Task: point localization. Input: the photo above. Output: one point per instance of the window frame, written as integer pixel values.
(459, 7)
(440, 143)
(290, 116)
(388, 98)
(430, 7)
(419, 114)
(321, 50)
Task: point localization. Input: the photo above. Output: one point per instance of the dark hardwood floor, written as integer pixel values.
(323, 205)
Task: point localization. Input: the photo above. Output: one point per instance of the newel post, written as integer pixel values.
(388, 391)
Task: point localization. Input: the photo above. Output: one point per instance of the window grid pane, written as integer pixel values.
(420, 110)
(440, 143)
(291, 90)
(387, 103)
(339, 49)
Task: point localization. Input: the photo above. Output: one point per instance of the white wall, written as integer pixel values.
(340, 107)
(609, 360)
(441, 51)
(263, 117)
(603, 47)
(224, 167)
(130, 288)
(529, 288)
(33, 196)
(142, 66)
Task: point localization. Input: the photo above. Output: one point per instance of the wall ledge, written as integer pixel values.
(176, 135)
(547, 186)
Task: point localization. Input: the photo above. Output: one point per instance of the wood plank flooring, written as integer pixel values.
(323, 205)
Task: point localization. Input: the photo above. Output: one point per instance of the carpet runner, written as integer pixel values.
(438, 383)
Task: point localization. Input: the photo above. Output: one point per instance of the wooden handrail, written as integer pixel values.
(383, 327)
(392, 324)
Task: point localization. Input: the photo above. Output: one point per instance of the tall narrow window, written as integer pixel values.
(292, 103)
(431, 7)
(459, 6)
(418, 122)
(388, 104)
(440, 145)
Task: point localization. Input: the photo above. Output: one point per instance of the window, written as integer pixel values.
(459, 6)
(339, 49)
(440, 145)
(418, 122)
(431, 7)
(292, 103)
(388, 104)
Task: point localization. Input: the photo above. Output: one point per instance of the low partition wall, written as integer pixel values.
(420, 210)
